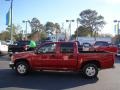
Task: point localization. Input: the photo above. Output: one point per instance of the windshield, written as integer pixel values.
(23, 43)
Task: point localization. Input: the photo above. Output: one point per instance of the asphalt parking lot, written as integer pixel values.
(108, 79)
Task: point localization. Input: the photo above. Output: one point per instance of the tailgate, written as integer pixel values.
(108, 60)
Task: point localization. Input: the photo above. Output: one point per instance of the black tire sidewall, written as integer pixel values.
(84, 70)
(23, 63)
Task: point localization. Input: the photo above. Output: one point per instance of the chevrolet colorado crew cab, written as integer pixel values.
(63, 56)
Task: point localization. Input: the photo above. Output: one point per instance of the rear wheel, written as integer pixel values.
(22, 68)
(90, 70)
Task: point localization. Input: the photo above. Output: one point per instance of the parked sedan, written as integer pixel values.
(105, 46)
(3, 48)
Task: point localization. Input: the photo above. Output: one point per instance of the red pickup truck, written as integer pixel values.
(63, 56)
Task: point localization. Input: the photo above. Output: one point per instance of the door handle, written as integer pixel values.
(71, 56)
(52, 56)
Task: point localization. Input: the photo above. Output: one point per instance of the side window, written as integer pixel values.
(105, 44)
(48, 48)
(67, 48)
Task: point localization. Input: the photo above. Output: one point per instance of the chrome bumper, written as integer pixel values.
(11, 64)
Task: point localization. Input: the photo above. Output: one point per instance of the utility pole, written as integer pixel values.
(77, 28)
(11, 35)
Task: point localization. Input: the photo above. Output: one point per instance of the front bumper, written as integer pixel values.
(10, 52)
(11, 65)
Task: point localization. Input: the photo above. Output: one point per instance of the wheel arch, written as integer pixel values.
(96, 62)
(22, 60)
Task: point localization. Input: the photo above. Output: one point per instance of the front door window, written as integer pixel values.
(48, 48)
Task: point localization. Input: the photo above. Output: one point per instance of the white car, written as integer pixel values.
(3, 48)
(8, 42)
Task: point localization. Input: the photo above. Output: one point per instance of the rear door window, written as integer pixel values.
(67, 48)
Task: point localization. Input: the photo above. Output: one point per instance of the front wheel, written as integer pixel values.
(22, 68)
(90, 70)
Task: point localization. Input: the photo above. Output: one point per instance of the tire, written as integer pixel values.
(21, 68)
(90, 71)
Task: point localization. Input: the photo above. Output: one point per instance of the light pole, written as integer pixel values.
(118, 32)
(70, 21)
(26, 21)
(11, 33)
(116, 21)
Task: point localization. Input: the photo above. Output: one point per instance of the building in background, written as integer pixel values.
(57, 37)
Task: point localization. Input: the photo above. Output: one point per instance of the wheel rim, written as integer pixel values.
(90, 71)
(21, 69)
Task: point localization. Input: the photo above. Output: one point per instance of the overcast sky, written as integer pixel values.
(59, 11)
